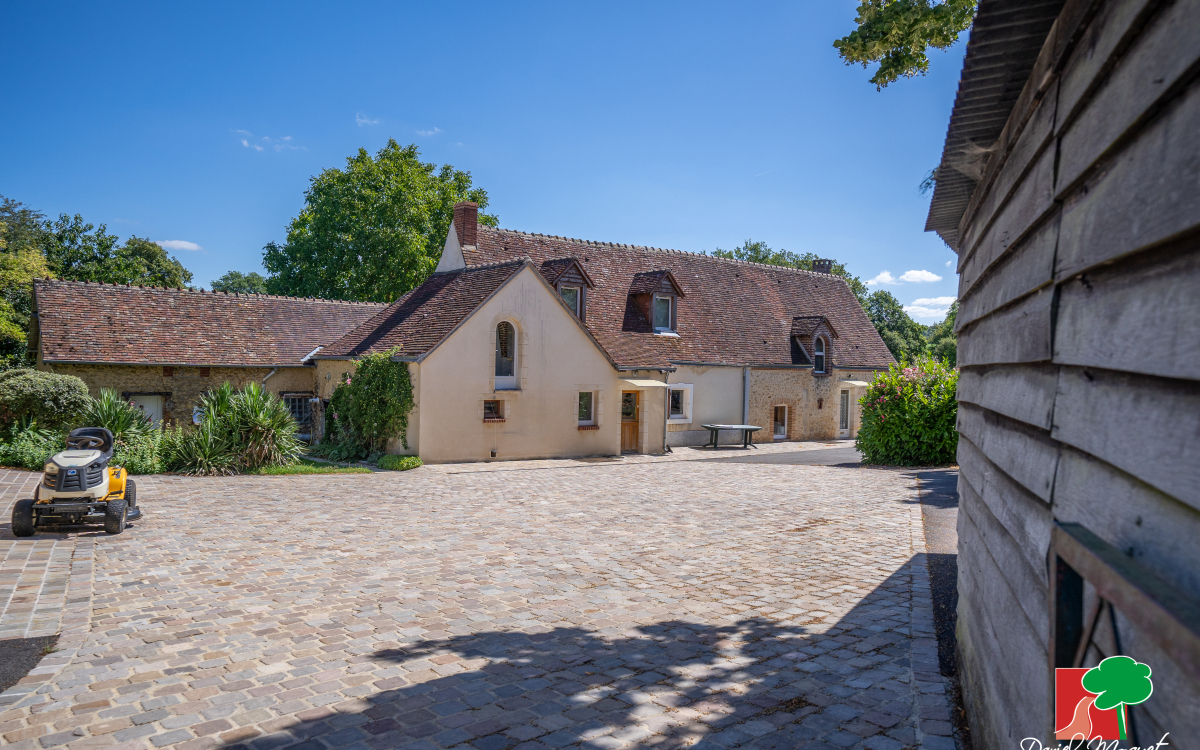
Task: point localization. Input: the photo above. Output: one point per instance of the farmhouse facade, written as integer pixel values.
(528, 346)
(1070, 188)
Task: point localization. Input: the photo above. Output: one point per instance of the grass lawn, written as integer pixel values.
(310, 467)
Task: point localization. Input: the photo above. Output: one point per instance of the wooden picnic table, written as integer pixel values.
(747, 430)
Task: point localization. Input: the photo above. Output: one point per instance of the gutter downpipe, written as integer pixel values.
(745, 395)
(666, 411)
(269, 374)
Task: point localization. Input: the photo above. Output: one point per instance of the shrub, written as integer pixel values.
(241, 430)
(29, 448)
(908, 415)
(53, 401)
(120, 417)
(140, 453)
(398, 463)
(370, 409)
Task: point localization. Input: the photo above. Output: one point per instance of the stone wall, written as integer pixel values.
(185, 385)
(812, 401)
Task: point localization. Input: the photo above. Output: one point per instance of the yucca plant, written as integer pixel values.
(206, 450)
(120, 417)
(265, 431)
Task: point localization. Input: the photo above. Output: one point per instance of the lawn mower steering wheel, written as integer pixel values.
(87, 443)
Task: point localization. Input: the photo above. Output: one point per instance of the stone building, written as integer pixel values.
(1070, 188)
(518, 346)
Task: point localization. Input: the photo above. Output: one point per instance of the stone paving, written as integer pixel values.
(594, 604)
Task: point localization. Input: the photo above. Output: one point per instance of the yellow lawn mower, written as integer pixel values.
(79, 487)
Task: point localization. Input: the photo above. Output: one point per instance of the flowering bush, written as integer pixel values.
(908, 415)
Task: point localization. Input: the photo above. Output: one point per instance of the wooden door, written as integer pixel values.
(630, 421)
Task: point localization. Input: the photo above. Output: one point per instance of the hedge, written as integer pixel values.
(909, 415)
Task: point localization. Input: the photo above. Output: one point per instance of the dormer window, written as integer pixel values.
(819, 355)
(664, 308)
(571, 281)
(573, 296)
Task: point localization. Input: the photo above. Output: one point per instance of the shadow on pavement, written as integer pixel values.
(751, 683)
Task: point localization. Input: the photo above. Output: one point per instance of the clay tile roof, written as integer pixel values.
(117, 324)
(649, 282)
(419, 320)
(735, 313)
(807, 325)
(553, 269)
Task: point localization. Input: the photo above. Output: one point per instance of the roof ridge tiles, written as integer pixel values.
(648, 249)
(192, 290)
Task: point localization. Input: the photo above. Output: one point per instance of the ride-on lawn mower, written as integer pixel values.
(79, 487)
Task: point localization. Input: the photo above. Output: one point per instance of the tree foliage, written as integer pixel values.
(371, 231)
(21, 261)
(896, 34)
(943, 341)
(236, 282)
(369, 409)
(759, 252)
(79, 251)
(903, 336)
(909, 414)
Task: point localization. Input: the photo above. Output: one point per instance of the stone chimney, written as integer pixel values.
(822, 265)
(466, 222)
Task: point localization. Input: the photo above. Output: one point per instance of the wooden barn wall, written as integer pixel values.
(1079, 342)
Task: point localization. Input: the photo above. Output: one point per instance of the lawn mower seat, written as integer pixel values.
(91, 438)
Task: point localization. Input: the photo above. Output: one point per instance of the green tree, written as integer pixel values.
(21, 261)
(943, 341)
(236, 282)
(1119, 681)
(903, 336)
(759, 252)
(371, 231)
(896, 34)
(79, 251)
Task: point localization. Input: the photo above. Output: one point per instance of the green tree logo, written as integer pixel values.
(1119, 681)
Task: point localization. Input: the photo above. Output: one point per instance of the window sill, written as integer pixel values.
(679, 420)
(588, 427)
(486, 419)
(821, 374)
(668, 334)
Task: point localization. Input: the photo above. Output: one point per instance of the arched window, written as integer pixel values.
(506, 356)
(819, 355)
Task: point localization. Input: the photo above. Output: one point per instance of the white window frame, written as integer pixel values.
(595, 399)
(687, 403)
(786, 417)
(820, 349)
(507, 382)
(578, 298)
(670, 312)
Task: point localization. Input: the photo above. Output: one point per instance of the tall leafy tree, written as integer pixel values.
(903, 336)
(371, 231)
(21, 261)
(759, 252)
(897, 33)
(80, 251)
(236, 282)
(943, 342)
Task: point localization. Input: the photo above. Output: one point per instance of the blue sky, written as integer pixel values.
(688, 126)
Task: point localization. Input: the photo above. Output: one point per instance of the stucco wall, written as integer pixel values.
(182, 389)
(555, 360)
(716, 399)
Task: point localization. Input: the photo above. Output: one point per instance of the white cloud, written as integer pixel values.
(883, 278)
(362, 119)
(917, 277)
(929, 308)
(949, 263)
(177, 245)
(435, 131)
(279, 144)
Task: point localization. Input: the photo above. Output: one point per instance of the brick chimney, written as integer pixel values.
(823, 265)
(466, 222)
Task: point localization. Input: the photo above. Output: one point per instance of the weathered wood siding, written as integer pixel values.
(1079, 342)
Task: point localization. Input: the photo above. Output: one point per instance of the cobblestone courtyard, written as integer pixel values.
(602, 604)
